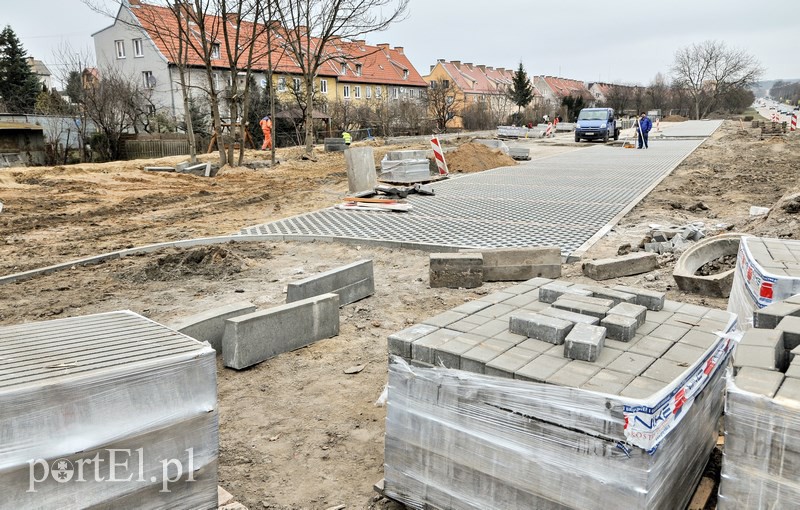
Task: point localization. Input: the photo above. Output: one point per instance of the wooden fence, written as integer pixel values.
(149, 149)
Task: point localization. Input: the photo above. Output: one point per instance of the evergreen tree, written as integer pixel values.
(521, 89)
(19, 87)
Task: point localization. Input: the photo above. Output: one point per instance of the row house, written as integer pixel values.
(474, 84)
(144, 44)
(554, 89)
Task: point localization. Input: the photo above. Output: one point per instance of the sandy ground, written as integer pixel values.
(296, 432)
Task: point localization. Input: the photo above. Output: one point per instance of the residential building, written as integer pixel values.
(41, 72)
(600, 92)
(554, 89)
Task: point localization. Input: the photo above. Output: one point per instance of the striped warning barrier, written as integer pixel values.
(549, 131)
(438, 154)
(794, 122)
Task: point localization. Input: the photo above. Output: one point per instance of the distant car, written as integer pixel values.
(596, 124)
(771, 107)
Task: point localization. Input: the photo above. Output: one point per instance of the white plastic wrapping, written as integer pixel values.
(762, 452)
(106, 411)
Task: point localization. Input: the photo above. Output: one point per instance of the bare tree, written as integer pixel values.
(443, 101)
(658, 93)
(710, 69)
(619, 97)
(312, 27)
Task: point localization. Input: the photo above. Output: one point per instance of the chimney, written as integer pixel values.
(468, 64)
(398, 49)
(482, 68)
(361, 42)
(456, 63)
(501, 70)
(233, 19)
(441, 60)
(434, 65)
(134, 3)
(384, 46)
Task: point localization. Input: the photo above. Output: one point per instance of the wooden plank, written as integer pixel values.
(702, 494)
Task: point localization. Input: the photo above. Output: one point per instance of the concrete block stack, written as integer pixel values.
(504, 401)
(406, 166)
(107, 411)
(462, 270)
(762, 420)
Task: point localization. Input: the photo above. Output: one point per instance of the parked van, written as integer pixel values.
(596, 124)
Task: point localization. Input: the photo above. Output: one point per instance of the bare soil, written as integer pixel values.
(475, 157)
(297, 432)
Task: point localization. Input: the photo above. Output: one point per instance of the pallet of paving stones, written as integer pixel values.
(767, 271)
(106, 411)
(762, 419)
(552, 395)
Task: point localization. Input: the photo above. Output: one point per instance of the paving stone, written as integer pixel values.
(684, 353)
(444, 319)
(672, 306)
(790, 326)
(701, 339)
(590, 300)
(584, 342)
(497, 297)
(769, 316)
(510, 337)
(471, 307)
(758, 380)
(647, 327)
(789, 392)
(650, 299)
(712, 326)
(642, 387)
(722, 316)
(496, 310)
(550, 292)
(619, 327)
(659, 317)
(669, 332)
(637, 312)
(456, 270)
(626, 265)
(536, 306)
(757, 357)
(651, 346)
(665, 370)
(772, 338)
(540, 327)
(502, 342)
(468, 323)
(607, 355)
(521, 300)
(449, 353)
(616, 296)
(536, 345)
(620, 346)
(475, 359)
(631, 363)
(540, 368)
(581, 307)
(538, 282)
(423, 348)
(608, 381)
(506, 364)
(793, 370)
(492, 328)
(566, 315)
(574, 374)
(400, 342)
(694, 310)
(682, 320)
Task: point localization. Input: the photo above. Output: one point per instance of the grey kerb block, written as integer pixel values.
(584, 342)
(540, 327)
(209, 326)
(253, 338)
(361, 174)
(634, 263)
(351, 282)
(456, 270)
(518, 264)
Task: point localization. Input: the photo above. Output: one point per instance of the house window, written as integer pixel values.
(215, 51)
(346, 92)
(120, 46)
(148, 79)
(281, 84)
(216, 81)
(263, 83)
(378, 91)
(395, 92)
(369, 91)
(323, 86)
(138, 49)
(344, 68)
(405, 74)
(151, 109)
(358, 69)
(445, 84)
(357, 91)
(296, 83)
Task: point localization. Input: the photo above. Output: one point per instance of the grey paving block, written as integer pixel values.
(566, 315)
(509, 337)
(540, 368)
(574, 374)
(683, 320)
(535, 345)
(665, 370)
(258, 336)
(619, 327)
(701, 339)
(722, 316)
(790, 326)
(209, 326)
(471, 307)
(607, 355)
(492, 328)
(550, 292)
(794, 369)
(711, 326)
(617, 296)
(584, 342)
(626, 265)
(769, 316)
(694, 310)
(789, 392)
(449, 353)
(456, 270)
(658, 317)
(351, 282)
(521, 300)
(650, 299)
(672, 306)
(647, 327)
(423, 348)
(642, 387)
(608, 381)
(772, 338)
(444, 319)
(621, 346)
(757, 357)
(684, 353)
(475, 359)
(400, 342)
(507, 363)
(497, 297)
(635, 311)
(468, 323)
(669, 332)
(758, 380)
(631, 363)
(651, 346)
(540, 327)
(581, 307)
(496, 310)
(592, 300)
(522, 288)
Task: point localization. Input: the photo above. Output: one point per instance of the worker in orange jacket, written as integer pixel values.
(266, 128)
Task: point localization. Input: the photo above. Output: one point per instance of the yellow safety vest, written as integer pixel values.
(347, 137)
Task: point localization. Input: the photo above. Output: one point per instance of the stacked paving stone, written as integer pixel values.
(515, 442)
(762, 421)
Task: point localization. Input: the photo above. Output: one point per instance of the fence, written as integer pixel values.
(148, 149)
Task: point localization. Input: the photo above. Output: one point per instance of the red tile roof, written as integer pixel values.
(563, 87)
(478, 79)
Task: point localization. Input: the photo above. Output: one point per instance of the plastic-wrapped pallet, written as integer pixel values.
(460, 440)
(767, 271)
(405, 170)
(106, 411)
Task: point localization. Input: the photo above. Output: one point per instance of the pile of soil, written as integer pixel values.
(475, 157)
(213, 262)
(717, 266)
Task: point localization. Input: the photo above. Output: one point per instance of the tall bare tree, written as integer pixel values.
(313, 26)
(443, 101)
(710, 69)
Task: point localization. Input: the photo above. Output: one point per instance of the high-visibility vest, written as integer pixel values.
(347, 137)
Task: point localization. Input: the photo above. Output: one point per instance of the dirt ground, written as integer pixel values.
(296, 432)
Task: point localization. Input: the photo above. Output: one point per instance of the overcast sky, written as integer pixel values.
(616, 41)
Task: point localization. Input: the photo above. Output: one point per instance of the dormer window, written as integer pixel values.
(344, 68)
(215, 51)
(405, 74)
(358, 69)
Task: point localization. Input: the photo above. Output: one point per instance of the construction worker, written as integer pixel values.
(347, 138)
(643, 127)
(266, 128)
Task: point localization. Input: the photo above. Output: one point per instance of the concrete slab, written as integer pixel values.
(758, 380)
(456, 270)
(352, 282)
(209, 326)
(519, 264)
(626, 265)
(361, 175)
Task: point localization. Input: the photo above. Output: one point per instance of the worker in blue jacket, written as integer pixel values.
(643, 127)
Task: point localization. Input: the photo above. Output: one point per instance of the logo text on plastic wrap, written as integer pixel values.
(646, 426)
(111, 465)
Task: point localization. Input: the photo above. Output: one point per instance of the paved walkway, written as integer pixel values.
(568, 200)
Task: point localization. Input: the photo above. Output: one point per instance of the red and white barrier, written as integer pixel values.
(794, 122)
(549, 131)
(658, 125)
(438, 154)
